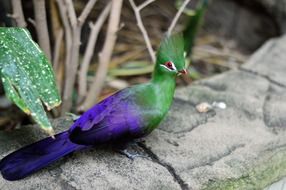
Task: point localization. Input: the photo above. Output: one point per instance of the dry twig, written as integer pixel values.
(176, 18)
(95, 28)
(104, 55)
(18, 14)
(57, 49)
(32, 21)
(68, 35)
(42, 26)
(73, 26)
(58, 68)
(137, 10)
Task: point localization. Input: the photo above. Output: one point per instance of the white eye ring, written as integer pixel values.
(173, 66)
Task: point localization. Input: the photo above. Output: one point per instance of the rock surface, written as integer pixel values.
(240, 147)
(277, 9)
(231, 20)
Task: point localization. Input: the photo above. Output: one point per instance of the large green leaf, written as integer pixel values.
(27, 75)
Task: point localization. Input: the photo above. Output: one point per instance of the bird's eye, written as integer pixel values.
(169, 64)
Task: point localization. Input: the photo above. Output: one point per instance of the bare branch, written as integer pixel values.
(67, 29)
(57, 49)
(176, 18)
(145, 4)
(141, 26)
(73, 27)
(68, 44)
(86, 11)
(71, 12)
(42, 26)
(95, 28)
(18, 14)
(32, 21)
(104, 55)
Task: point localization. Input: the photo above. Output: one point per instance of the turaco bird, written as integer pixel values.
(124, 116)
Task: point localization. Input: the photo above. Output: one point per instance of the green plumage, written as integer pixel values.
(193, 25)
(172, 49)
(157, 95)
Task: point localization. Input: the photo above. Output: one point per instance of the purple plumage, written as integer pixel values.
(29, 159)
(117, 118)
(113, 119)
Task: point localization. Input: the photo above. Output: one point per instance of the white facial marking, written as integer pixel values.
(169, 66)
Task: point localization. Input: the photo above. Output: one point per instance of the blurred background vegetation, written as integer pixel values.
(97, 48)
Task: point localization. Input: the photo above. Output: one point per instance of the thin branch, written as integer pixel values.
(176, 18)
(68, 43)
(88, 7)
(95, 28)
(57, 49)
(141, 26)
(18, 14)
(104, 55)
(67, 28)
(75, 25)
(68, 34)
(42, 26)
(55, 19)
(71, 12)
(145, 4)
(32, 21)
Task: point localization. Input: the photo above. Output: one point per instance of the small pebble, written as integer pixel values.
(220, 105)
(203, 107)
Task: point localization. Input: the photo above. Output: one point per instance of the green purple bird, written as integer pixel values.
(129, 114)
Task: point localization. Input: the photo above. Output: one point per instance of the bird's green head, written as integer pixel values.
(170, 57)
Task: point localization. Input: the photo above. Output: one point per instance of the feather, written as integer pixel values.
(172, 49)
(31, 158)
(115, 118)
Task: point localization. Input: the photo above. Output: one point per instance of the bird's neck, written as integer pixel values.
(164, 81)
(164, 88)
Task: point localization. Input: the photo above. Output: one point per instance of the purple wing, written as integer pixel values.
(115, 118)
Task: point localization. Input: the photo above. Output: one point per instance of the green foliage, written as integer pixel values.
(193, 24)
(27, 75)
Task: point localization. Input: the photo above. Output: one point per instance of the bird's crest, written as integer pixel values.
(172, 49)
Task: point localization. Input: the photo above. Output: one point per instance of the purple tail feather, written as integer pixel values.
(36, 156)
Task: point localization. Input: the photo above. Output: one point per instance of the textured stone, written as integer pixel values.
(93, 168)
(225, 145)
(277, 9)
(269, 61)
(230, 19)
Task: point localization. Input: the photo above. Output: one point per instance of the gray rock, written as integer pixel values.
(269, 61)
(230, 143)
(240, 147)
(100, 168)
(280, 185)
(231, 20)
(277, 9)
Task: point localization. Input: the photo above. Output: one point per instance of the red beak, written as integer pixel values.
(184, 71)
